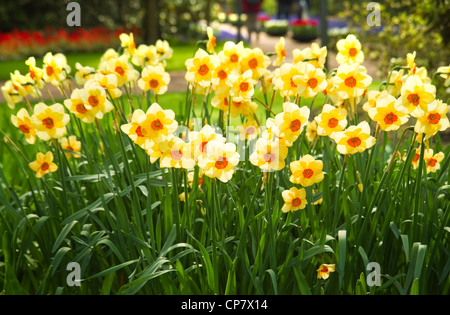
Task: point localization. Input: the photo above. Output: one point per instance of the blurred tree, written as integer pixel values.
(151, 21)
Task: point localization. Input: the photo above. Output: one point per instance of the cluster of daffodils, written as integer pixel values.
(91, 99)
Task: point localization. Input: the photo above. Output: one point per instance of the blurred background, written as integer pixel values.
(29, 27)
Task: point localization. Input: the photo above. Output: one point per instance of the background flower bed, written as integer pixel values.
(20, 44)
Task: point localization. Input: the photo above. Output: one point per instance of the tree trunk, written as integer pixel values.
(151, 22)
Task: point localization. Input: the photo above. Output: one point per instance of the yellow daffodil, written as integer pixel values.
(314, 55)
(200, 68)
(176, 153)
(349, 50)
(200, 140)
(72, 145)
(83, 74)
(372, 97)
(416, 95)
(154, 78)
(444, 72)
(434, 120)
(221, 76)
(416, 158)
(269, 155)
(311, 82)
(191, 177)
(220, 161)
(246, 108)
(55, 68)
(231, 55)
(330, 120)
(11, 95)
(242, 86)
(76, 105)
(354, 139)
(121, 67)
(163, 49)
(127, 43)
(256, 61)
(351, 80)
(284, 79)
(311, 131)
(324, 271)
(43, 164)
(294, 199)
(110, 83)
(396, 82)
(291, 122)
(307, 171)
(248, 130)
(389, 113)
(94, 98)
(211, 44)
(158, 123)
(24, 123)
(221, 98)
(280, 51)
(136, 131)
(50, 121)
(432, 161)
(145, 55)
(37, 74)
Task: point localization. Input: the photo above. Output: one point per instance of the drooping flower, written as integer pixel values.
(294, 199)
(314, 55)
(221, 98)
(135, 130)
(50, 121)
(389, 113)
(154, 78)
(24, 123)
(36, 73)
(145, 55)
(83, 74)
(280, 51)
(291, 122)
(246, 108)
(127, 43)
(220, 161)
(416, 95)
(200, 68)
(72, 145)
(43, 164)
(349, 51)
(269, 155)
(354, 139)
(12, 97)
(163, 49)
(311, 131)
(307, 171)
(211, 44)
(396, 82)
(331, 119)
(444, 72)
(110, 83)
(434, 120)
(324, 271)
